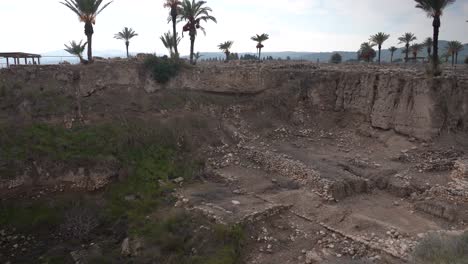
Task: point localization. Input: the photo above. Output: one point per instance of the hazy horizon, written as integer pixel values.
(293, 25)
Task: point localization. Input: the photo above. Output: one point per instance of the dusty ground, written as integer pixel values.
(330, 190)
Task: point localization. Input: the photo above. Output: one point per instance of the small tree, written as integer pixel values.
(367, 52)
(76, 49)
(260, 39)
(225, 47)
(378, 39)
(168, 41)
(406, 39)
(126, 34)
(454, 47)
(392, 50)
(197, 56)
(336, 58)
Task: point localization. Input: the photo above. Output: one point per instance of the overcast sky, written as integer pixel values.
(293, 25)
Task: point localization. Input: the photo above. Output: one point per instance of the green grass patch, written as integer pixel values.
(29, 216)
(442, 249)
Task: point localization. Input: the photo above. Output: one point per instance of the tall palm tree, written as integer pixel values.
(378, 39)
(434, 9)
(225, 47)
(454, 47)
(407, 38)
(76, 49)
(194, 12)
(174, 6)
(260, 39)
(428, 43)
(87, 11)
(392, 50)
(415, 49)
(168, 41)
(126, 34)
(366, 52)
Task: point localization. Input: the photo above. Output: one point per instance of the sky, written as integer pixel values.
(40, 26)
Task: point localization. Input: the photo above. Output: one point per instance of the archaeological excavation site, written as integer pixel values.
(274, 162)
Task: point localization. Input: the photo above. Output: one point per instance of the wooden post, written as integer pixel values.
(39, 60)
(34, 60)
(26, 61)
(7, 62)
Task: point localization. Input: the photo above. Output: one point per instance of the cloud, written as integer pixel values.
(294, 25)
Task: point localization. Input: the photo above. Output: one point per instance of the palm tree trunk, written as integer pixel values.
(407, 53)
(260, 54)
(192, 46)
(380, 48)
(435, 44)
(456, 58)
(126, 45)
(227, 56)
(453, 59)
(174, 32)
(391, 58)
(89, 34)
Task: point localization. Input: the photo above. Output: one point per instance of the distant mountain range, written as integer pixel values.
(61, 55)
(346, 55)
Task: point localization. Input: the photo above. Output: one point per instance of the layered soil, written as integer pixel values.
(317, 163)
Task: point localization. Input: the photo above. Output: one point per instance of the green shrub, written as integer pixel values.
(336, 58)
(442, 249)
(163, 68)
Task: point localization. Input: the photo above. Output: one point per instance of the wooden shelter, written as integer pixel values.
(18, 56)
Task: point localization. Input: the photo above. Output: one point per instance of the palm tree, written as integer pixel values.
(197, 56)
(434, 9)
(87, 11)
(454, 47)
(392, 50)
(415, 49)
(76, 49)
(168, 42)
(446, 56)
(366, 52)
(379, 39)
(194, 13)
(428, 43)
(126, 34)
(174, 6)
(225, 47)
(407, 38)
(260, 39)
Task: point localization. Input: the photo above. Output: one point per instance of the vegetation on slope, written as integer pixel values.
(162, 68)
(442, 249)
(140, 203)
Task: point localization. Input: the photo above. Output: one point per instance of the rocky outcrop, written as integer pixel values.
(390, 98)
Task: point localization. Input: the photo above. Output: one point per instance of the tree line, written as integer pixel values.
(193, 13)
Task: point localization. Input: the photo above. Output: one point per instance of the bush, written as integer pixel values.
(466, 60)
(336, 58)
(162, 68)
(442, 249)
(79, 222)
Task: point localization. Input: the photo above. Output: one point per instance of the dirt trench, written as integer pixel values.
(321, 165)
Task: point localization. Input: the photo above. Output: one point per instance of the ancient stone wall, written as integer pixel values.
(402, 99)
